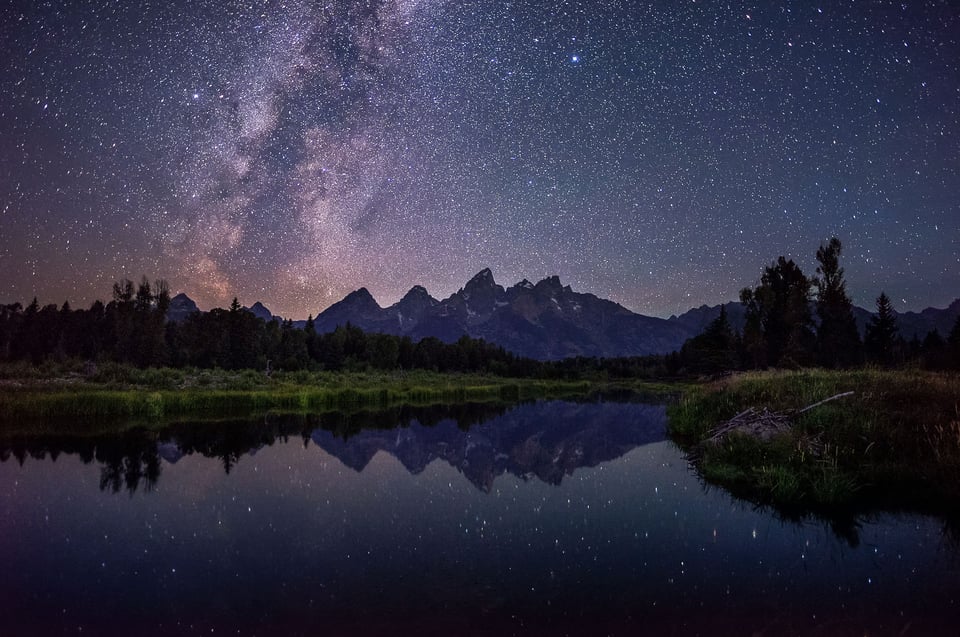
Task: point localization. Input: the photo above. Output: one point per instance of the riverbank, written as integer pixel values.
(55, 399)
(894, 442)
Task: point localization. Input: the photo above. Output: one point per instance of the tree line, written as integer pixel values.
(132, 329)
(791, 321)
(797, 321)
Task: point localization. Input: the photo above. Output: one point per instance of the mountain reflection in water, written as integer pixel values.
(543, 440)
(568, 523)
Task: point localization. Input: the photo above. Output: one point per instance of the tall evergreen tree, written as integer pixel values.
(933, 351)
(11, 316)
(838, 341)
(26, 343)
(313, 341)
(242, 337)
(715, 349)
(779, 325)
(753, 346)
(120, 320)
(161, 303)
(143, 342)
(882, 332)
(66, 333)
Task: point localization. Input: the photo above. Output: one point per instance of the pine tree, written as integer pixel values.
(779, 327)
(241, 337)
(882, 332)
(160, 353)
(838, 342)
(753, 346)
(120, 321)
(715, 349)
(933, 351)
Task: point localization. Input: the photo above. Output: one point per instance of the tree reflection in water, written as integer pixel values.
(547, 440)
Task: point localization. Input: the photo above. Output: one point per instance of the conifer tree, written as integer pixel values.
(838, 341)
(715, 349)
(882, 332)
(779, 326)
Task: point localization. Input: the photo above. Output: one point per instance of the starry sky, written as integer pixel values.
(655, 153)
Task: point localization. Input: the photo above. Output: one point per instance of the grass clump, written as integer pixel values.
(894, 442)
(67, 398)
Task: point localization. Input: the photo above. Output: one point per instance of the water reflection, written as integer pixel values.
(538, 519)
(546, 440)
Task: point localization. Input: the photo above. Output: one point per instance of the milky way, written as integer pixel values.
(659, 154)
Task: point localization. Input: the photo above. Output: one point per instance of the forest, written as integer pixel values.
(792, 321)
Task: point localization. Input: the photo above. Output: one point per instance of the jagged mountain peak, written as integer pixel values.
(483, 278)
(181, 306)
(259, 310)
(361, 295)
(416, 292)
(480, 294)
(409, 310)
(358, 308)
(551, 284)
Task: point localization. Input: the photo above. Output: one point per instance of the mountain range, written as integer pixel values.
(544, 320)
(546, 440)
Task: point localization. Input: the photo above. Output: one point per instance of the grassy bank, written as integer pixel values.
(894, 443)
(34, 400)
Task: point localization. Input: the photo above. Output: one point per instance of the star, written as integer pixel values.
(371, 148)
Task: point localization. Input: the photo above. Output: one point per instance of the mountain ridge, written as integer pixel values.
(545, 320)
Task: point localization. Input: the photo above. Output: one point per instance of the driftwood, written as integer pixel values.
(826, 400)
(762, 424)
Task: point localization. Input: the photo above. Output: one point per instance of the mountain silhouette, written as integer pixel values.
(545, 320)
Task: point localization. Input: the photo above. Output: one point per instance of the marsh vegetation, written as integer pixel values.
(894, 442)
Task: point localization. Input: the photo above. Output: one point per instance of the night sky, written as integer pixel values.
(658, 154)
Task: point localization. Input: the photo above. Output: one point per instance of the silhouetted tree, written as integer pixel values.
(714, 350)
(242, 338)
(384, 351)
(405, 353)
(292, 352)
(882, 332)
(38, 332)
(11, 318)
(838, 341)
(933, 351)
(120, 321)
(779, 327)
(157, 323)
(427, 354)
(91, 332)
(313, 340)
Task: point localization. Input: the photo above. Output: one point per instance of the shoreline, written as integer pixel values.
(893, 443)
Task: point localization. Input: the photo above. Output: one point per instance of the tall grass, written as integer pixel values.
(69, 399)
(897, 439)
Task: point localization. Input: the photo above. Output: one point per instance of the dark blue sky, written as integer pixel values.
(658, 154)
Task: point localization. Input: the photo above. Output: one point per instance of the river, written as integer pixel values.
(547, 518)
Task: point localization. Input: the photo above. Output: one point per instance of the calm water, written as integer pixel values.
(550, 518)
